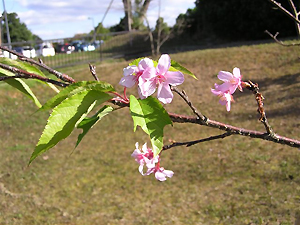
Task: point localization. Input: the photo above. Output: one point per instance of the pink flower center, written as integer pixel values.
(234, 81)
(160, 79)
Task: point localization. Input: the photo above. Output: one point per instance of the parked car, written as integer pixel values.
(98, 43)
(82, 46)
(88, 47)
(7, 55)
(45, 49)
(65, 48)
(27, 51)
(77, 46)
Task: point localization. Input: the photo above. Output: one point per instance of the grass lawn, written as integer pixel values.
(236, 180)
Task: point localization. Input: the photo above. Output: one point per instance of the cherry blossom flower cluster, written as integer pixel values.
(146, 157)
(148, 77)
(231, 83)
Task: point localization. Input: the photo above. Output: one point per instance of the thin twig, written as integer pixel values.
(235, 130)
(93, 72)
(176, 118)
(59, 75)
(184, 96)
(259, 99)
(11, 77)
(280, 42)
(26, 75)
(286, 12)
(190, 143)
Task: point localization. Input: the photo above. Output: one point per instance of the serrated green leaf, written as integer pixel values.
(64, 117)
(74, 89)
(88, 123)
(175, 66)
(136, 61)
(22, 65)
(21, 86)
(150, 115)
(27, 67)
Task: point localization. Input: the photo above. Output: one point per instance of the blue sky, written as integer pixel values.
(52, 19)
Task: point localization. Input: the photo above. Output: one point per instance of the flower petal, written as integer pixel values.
(174, 77)
(225, 76)
(164, 64)
(141, 167)
(145, 63)
(129, 70)
(160, 176)
(164, 93)
(226, 99)
(144, 148)
(168, 173)
(147, 87)
(216, 91)
(149, 73)
(236, 72)
(225, 87)
(128, 81)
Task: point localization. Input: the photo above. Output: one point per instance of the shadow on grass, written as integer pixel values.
(284, 89)
(285, 80)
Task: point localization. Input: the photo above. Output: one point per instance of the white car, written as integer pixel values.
(27, 51)
(45, 49)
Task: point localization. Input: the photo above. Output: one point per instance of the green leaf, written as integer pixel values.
(27, 67)
(74, 89)
(22, 65)
(21, 86)
(150, 115)
(64, 117)
(175, 66)
(88, 123)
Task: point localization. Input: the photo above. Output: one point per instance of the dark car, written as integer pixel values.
(78, 46)
(65, 48)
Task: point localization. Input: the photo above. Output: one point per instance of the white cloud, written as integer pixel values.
(58, 33)
(67, 16)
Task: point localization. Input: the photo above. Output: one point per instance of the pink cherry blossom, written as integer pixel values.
(225, 98)
(145, 157)
(132, 73)
(231, 81)
(161, 78)
(161, 174)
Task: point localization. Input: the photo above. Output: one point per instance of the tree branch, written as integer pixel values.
(93, 72)
(259, 99)
(286, 12)
(26, 75)
(59, 75)
(235, 130)
(176, 118)
(190, 143)
(184, 96)
(280, 42)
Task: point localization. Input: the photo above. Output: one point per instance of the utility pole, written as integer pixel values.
(129, 15)
(1, 32)
(94, 28)
(7, 28)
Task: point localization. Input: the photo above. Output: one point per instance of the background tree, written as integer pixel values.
(18, 30)
(134, 16)
(236, 20)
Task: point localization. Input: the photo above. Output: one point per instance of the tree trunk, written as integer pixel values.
(128, 14)
(143, 11)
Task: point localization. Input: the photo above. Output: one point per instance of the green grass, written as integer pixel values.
(237, 180)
